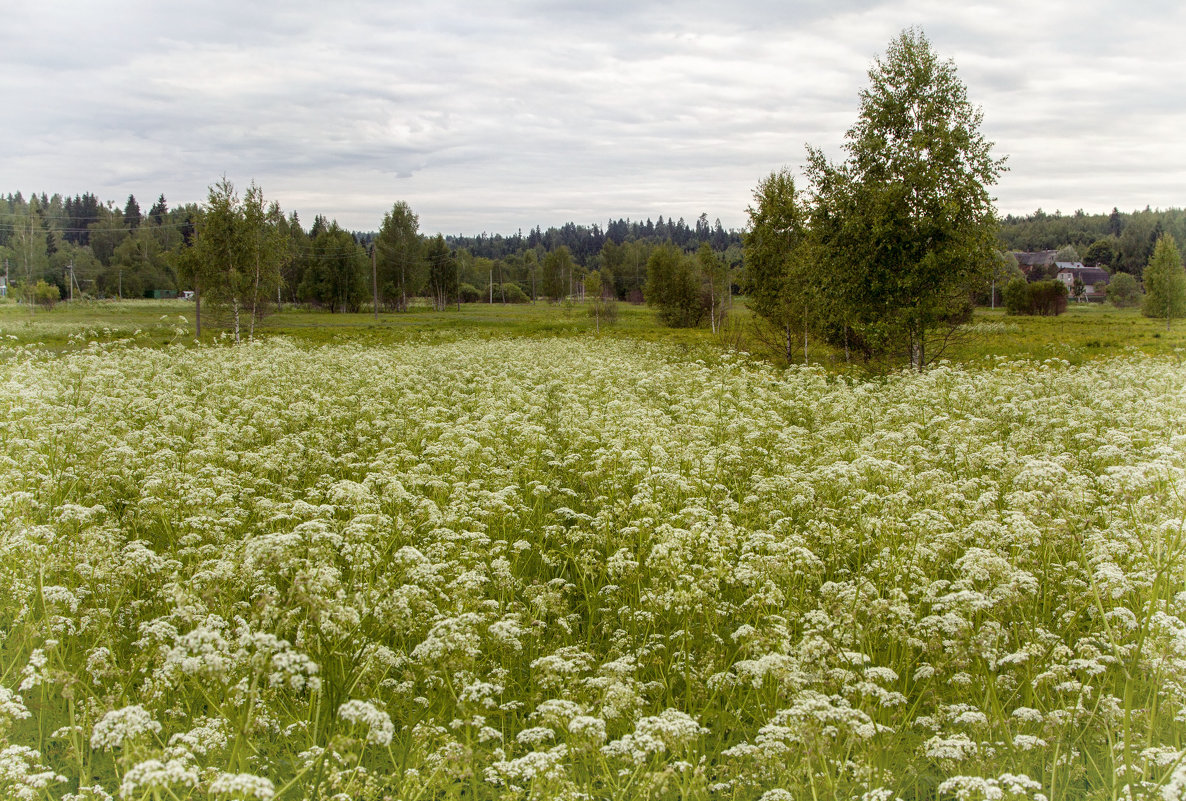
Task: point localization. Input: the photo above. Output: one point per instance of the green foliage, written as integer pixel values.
(336, 277)
(1043, 298)
(602, 306)
(513, 293)
(556, 274)
(470, 293)
(400, 263)
(779, 280)
(1067, 253)
(44, 294)
(442, 272)
(132, 213)
(716, 286)
(237, 252)
(1123, 291)
(906, 224)
(1165, 283)
(1101, 253)
(673, 287)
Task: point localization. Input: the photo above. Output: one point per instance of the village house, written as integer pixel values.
(1094, 279)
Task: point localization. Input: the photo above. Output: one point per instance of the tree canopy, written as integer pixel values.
(1165, 282)
(906, 223)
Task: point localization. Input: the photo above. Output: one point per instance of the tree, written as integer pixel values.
(265, 248)
(907, 223)
(714, 277)
(1135, 245)
(557, 272)
(132, 213)
(776, 275)
(1004, 268)
(336, 274)
(213, 264)
(600, 307)
(1165, 282)
(398, 253)
(1123, 291)
(442, 272)
(1067, 253)
(28, 243)
(674, 287)
(237, 252)
(1100, 253)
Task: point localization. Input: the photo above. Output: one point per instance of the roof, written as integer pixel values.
(1034, 258)
(1089, 275)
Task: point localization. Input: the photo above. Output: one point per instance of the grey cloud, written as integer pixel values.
(496, 117)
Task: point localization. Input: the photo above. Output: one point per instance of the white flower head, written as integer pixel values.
(242, 787)
(380, 729)
(121, 725)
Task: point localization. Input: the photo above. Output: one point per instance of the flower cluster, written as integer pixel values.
(559, 570)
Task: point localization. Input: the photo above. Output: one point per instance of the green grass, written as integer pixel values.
(1084, 333)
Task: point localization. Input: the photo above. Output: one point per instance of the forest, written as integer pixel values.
(99, 249)
(102, 250)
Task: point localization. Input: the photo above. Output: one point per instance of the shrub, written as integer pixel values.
(514, 294)
(1124, 291)
(469, 293)
(44, 294)
(1046, 298)
(1017, 296)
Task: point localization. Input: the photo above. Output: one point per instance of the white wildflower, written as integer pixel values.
(153, 777)
(242, 787)
(380, 729)
(120, 725)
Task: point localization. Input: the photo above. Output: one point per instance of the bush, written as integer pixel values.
(1124, 291)
(1046, 298)
(44, 294)
(1017, 296)
(673, 287)
(469, 293)
(514, 294)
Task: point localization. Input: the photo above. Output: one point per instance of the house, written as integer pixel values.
(1035, 264)
(1091, 277)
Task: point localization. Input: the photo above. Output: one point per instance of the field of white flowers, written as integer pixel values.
(561, 569)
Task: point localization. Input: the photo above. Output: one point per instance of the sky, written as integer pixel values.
(499, 116)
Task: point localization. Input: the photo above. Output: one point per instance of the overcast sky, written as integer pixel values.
(498, 116)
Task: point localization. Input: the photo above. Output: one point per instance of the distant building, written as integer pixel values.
(1027, 260)
(1091, 277)
(3, 287)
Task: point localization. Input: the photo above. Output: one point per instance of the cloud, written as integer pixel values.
(503, 116)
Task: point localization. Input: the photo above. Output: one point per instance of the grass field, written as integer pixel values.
(1085, 332)
(489, 554)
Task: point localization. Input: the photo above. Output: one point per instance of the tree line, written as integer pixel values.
(1117, 241)
(82, 246)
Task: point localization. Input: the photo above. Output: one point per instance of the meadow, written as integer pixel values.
(434, 559)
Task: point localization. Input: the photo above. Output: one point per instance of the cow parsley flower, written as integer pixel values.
(242, 787)
(120, 725)
(380, 729)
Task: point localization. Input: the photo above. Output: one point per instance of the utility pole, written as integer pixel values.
(70, 280)
(375, 281)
